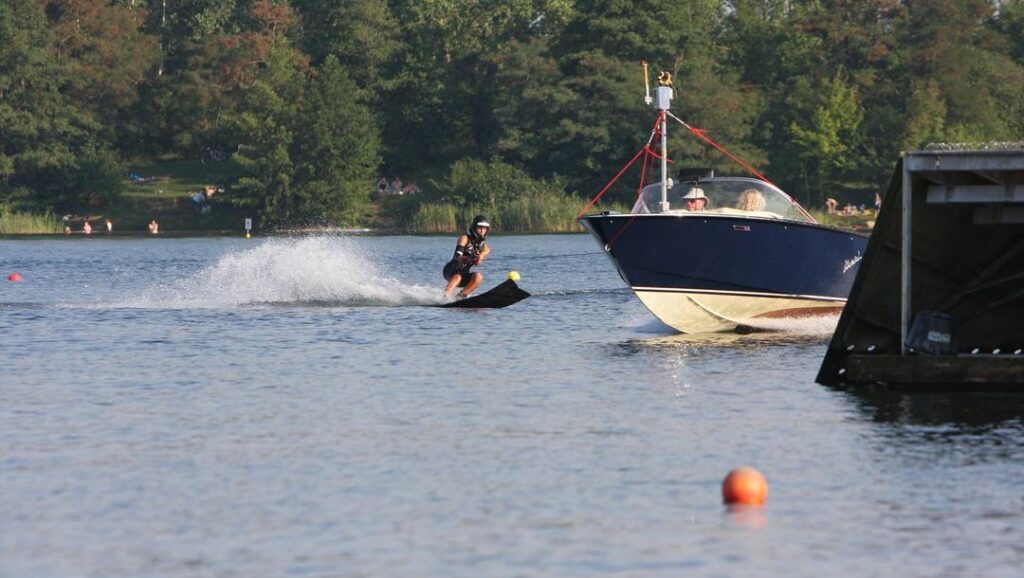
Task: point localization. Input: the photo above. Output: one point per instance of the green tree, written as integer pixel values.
(1010, 22)
(762, 44)
(338, 154)
(263, 128)
(362, 34)
(926, 115)
(828, 139)
(954, 43)
(440, 106)
(212, 51)
(106, 53)
(479, 185)
(52, 156)
(574, 106)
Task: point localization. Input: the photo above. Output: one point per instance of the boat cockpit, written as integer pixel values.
(734, 196)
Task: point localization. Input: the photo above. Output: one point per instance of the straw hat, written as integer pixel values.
(695, 193)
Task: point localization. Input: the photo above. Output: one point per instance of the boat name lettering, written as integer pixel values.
(849, 263)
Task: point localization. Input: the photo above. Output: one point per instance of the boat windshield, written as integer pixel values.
(727, 195)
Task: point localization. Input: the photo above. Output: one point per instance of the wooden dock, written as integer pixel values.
(947, 254)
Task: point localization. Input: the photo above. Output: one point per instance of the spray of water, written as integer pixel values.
(822, 325)
(308, 271)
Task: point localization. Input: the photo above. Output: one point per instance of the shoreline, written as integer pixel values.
(263, 234)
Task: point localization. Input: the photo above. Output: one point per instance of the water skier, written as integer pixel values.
(470, 249)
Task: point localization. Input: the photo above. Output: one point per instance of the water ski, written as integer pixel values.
(501, 296)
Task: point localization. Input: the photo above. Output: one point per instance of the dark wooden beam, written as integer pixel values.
(966, 370)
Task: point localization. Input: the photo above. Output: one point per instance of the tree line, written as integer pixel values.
(311, 101)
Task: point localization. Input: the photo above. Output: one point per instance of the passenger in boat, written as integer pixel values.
(751, 200)
(470, 249)
(694, 199)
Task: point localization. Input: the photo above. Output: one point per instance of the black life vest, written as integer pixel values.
(474, 248)
(466, 256)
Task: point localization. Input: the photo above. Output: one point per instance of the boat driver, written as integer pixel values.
(694, 199)
(470, 249)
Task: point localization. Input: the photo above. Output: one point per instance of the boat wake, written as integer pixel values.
(754, 329)
(811, 326)
(314, 271)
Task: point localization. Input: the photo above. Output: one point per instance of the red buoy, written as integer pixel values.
(744, 486)
(14, 277)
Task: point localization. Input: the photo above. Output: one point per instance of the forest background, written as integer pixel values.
(516, 108)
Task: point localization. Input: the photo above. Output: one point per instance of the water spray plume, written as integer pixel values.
(317, 270)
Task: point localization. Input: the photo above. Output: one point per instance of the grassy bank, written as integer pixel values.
(548, 213)
(29, 224)
(164, 194)
(165, 187)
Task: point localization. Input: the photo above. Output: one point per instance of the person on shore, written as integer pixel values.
(87, 228)
(154, 227)
(694, 199)
(470, 249)
(110, 226)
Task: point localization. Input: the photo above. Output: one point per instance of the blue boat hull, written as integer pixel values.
(728, 268)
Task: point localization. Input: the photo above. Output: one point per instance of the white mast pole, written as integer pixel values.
(664, 163)
(664, 95)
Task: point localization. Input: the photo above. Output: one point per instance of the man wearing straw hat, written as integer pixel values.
(694, 199)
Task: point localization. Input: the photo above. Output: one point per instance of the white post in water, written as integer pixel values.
(664, 95)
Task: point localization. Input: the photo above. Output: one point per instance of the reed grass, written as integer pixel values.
(537, 213)
(434, 218)
(28, 224)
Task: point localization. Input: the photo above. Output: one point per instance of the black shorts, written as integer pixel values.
(451, 269)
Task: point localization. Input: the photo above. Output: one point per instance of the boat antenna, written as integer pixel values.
(664, 103)
(647, 85)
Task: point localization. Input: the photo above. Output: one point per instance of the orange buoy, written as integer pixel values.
(744, 486)
(14, 277)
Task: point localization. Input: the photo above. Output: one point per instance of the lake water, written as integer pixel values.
(290, 407)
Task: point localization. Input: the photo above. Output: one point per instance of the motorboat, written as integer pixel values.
(751, 254)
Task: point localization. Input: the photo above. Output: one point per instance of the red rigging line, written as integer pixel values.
(648, 160)
(655, 154)
(701, 134)
(643, 169)
(646, 148)
(649, 156)
(610, 183)
(655, 131)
